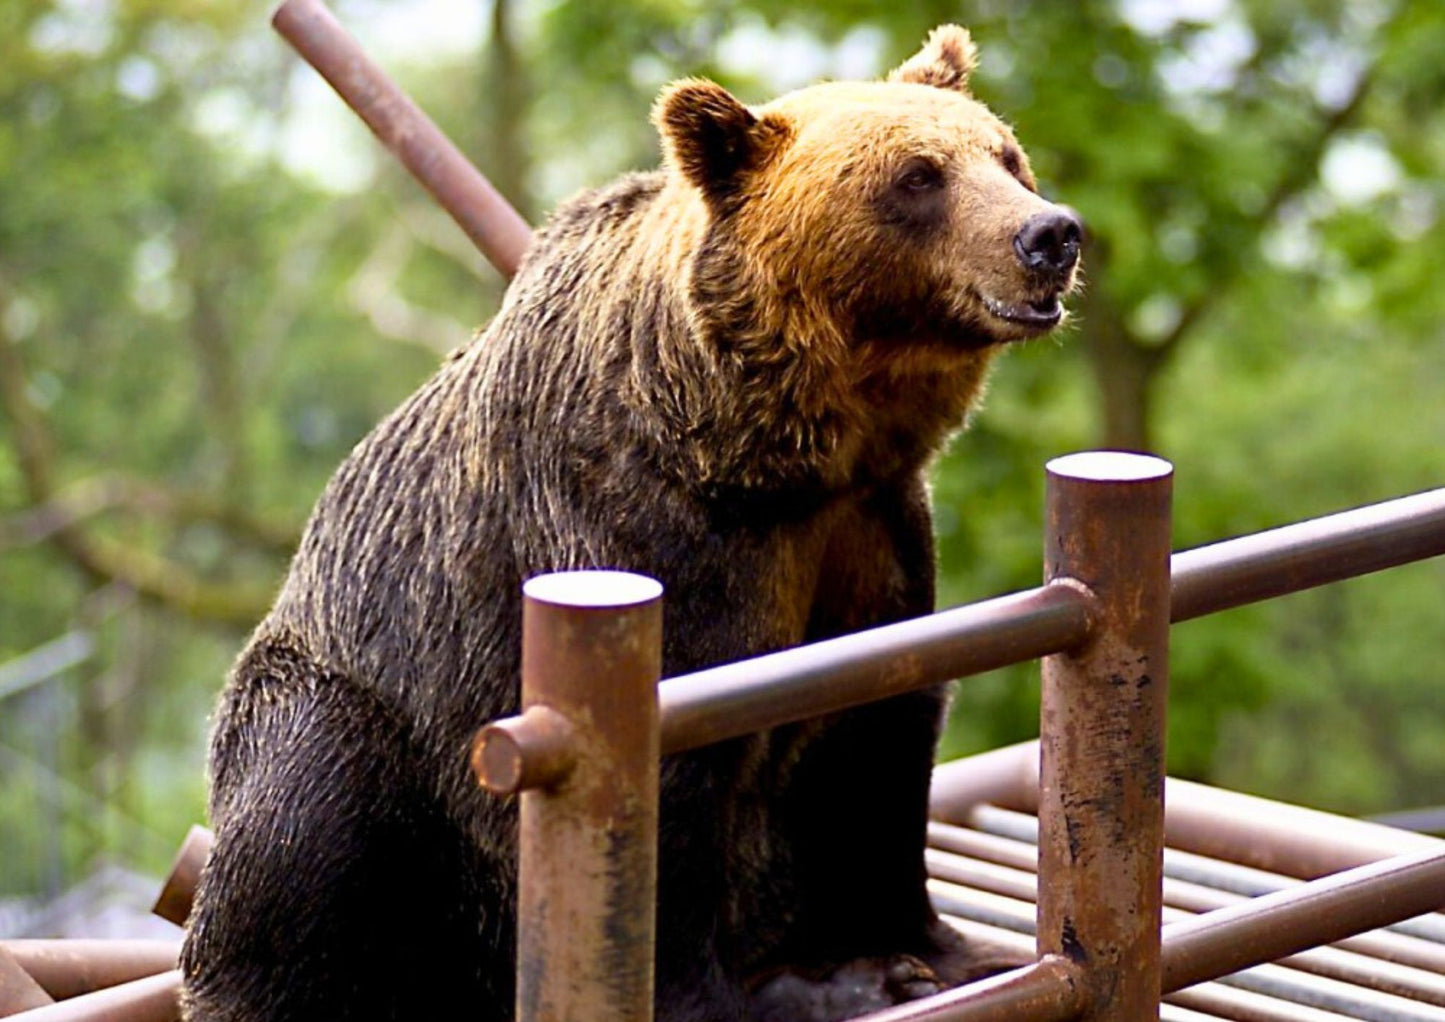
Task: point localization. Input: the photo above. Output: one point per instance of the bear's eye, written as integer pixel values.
(1012, 159)
(919, 176)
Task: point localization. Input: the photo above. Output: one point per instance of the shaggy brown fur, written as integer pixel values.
(730, 374)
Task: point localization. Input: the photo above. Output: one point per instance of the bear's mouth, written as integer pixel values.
(1041, 314)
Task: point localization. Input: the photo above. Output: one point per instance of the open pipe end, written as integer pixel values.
(1110, 467)
(287, 12)
(174, 901)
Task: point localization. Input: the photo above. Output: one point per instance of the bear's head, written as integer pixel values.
(898, 216)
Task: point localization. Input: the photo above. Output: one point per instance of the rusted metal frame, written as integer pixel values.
(1319, 912)
(72, 967)
(491, 223)
(1232, 876)
(179, 891)
(1049, 990)
(780, 688)
(1381, 960)
(1416, 519)
(1344, 973)
(153, 999)
(1285, 839)
(1258, 997)
(19, 990)
(1345, 998)
(591, 658)
(1225, 1002)
(1307, 554)
(1007, 776)
(1101, 787)
(1272, 990)
(1219, 874)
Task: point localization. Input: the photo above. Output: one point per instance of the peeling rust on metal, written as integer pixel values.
(1102, 720)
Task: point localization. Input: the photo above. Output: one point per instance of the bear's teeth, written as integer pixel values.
(1044, 312)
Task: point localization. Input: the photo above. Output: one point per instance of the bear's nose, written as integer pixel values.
(1048, 242)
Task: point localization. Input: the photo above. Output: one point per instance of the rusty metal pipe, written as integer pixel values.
(70, 968)
(1286, 839)
(982, 892)
(753, 695)
(1319, 912)
(488, 219)
(1101, 788)
(1006, 777)
(179, 890)
(591, 653)
(1307, 554)
(1046, 991)
(1290, 840)
(1192, 882)
(1217, 1001)
(153, 999)
(19, 990)
(537, 749)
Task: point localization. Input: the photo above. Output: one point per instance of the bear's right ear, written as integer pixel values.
(711, 137)
(945, 62)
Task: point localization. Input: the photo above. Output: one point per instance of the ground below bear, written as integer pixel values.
(730, 374)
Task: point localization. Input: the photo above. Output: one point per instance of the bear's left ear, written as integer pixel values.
(712, 138)
(945, 62)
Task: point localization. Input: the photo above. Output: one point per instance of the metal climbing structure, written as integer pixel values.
(1139, 898)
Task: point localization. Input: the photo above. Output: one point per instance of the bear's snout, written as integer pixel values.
(1048, 243)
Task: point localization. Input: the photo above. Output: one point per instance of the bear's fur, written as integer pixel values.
(730, 374)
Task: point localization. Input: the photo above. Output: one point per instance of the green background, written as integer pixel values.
(212, 284)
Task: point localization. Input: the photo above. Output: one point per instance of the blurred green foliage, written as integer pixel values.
(210, 288)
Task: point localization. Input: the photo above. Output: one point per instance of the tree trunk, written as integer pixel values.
(503, 153)
(1125, 373)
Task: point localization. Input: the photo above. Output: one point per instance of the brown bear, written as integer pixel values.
(730, 374)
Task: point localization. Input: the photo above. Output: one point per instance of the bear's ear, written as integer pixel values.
(945, 62)
(711, 137)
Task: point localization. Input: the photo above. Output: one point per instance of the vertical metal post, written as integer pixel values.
(1101, 798)
(591, 660)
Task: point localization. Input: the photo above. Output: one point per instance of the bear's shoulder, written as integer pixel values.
(599, 208)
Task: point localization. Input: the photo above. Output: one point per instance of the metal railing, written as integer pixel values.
(1101, 624)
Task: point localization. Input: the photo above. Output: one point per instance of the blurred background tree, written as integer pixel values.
(212, 284)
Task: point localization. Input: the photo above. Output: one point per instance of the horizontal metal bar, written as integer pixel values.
(1282, 838)
(1357, 986)
(1185, 886)
(1379, 960)
(1265, 992)
(1218, 1001)
(754, 695)
(19, 990)
(1307, 554)
(1320, 912)
(1046, 991)
(1220, 872)
(69, 968)
(153, 999)
(1286, 839)
(1212, 1001)
(1346, 998)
